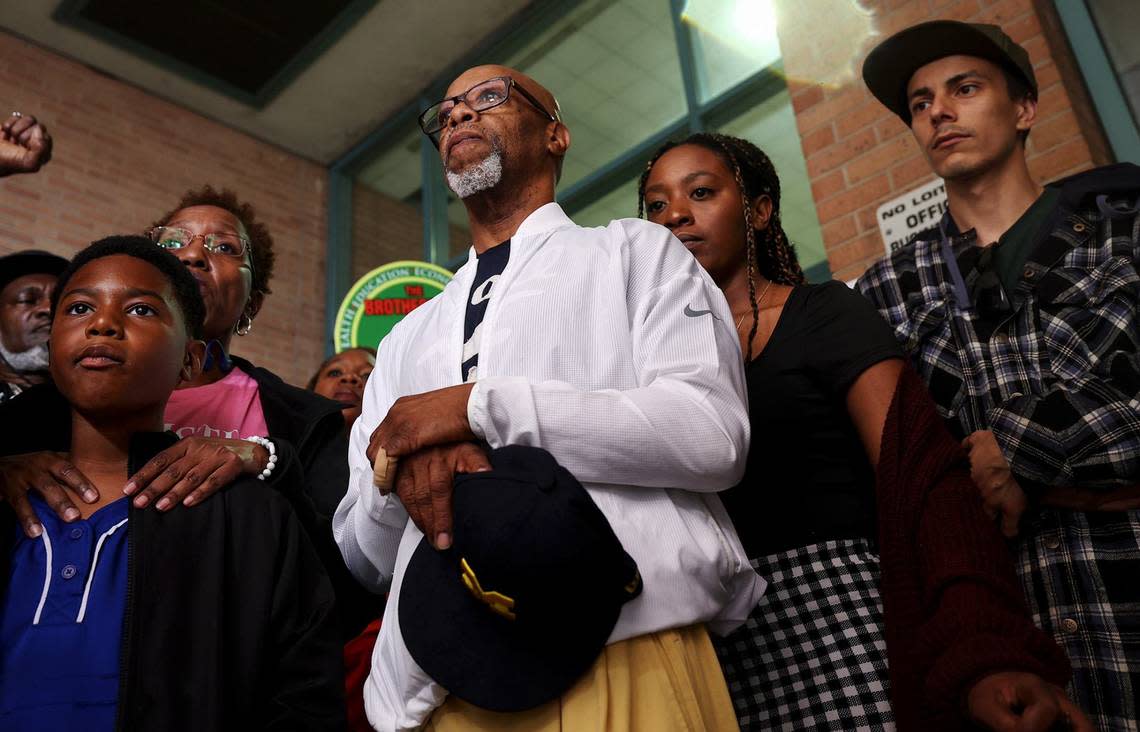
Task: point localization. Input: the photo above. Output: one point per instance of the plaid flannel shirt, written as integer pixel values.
(1058, 380)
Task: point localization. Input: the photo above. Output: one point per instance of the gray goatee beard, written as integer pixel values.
(480, 177)
(33, 359)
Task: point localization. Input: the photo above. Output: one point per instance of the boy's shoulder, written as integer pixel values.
(246, 527)
(247, 493)
(249, 503)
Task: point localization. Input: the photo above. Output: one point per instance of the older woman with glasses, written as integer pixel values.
(230, 417)
(230, 254)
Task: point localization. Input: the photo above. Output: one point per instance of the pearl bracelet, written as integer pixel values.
(268, 445)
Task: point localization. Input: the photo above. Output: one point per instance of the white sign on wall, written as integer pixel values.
(903, 217)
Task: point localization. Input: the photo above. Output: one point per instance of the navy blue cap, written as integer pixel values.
(525, 599)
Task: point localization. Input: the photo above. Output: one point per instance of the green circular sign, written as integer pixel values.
(382, 298)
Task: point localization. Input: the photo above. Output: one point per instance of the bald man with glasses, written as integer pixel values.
(576, 341)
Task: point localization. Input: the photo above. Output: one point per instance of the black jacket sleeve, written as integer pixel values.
(306, 686)
(230, 620)
(325, 462)
(355, 606)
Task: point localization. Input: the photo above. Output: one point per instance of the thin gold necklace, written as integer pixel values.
(758, 301)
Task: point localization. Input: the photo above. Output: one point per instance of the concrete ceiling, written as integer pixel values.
(374, 70)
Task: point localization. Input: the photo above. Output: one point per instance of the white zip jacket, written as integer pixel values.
(613, 350)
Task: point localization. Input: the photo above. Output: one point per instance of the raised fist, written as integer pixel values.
(25, 145)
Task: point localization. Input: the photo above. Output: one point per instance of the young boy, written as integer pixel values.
(219, 616)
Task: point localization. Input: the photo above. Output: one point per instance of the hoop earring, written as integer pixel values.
(243, 328)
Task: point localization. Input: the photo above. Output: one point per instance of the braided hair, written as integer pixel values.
(755, 176)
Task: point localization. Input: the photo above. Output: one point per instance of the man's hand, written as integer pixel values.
(194, 469)
(1001, 493)
(53, 477)
(1012, 700)
(25, 145)
(423, 420)
(423, 483)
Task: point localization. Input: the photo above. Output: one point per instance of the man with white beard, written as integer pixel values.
(27, 280)
(607, 350)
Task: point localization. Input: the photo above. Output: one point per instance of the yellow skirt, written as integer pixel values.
(653, 683)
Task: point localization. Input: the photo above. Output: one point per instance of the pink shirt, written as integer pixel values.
(228, 408)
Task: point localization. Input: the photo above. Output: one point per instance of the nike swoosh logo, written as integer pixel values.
(698, 313)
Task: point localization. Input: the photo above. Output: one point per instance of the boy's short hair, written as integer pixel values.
(185, 287)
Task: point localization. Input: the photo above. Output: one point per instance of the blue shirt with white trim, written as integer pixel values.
(61, 622)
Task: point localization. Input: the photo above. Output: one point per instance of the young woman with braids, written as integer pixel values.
(822, 368)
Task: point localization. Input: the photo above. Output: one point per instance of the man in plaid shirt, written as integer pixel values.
(1021, 310)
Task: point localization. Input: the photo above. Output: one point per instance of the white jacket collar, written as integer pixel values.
(542, 219)
(547, 217)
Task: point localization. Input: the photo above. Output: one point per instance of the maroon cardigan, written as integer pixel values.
(953, 608)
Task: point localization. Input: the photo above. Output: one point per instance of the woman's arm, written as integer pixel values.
(960, 640)
(868, 401)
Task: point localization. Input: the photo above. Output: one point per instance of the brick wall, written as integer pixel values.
(383, 230)
(859, 155)
(123, 157)
(386, 230)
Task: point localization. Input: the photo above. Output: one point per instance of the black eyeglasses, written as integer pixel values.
(479, 98)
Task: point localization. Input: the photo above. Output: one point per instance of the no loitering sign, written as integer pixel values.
(903, 217)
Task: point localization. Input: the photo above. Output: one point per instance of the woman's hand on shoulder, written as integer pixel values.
(50, 474)
(194, 469)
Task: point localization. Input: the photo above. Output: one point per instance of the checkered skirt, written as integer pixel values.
(812, 654)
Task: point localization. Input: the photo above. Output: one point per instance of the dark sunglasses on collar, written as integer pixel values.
(987, 293)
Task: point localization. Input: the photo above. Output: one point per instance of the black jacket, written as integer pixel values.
(229, 618)
(301, 423)
(314, 427)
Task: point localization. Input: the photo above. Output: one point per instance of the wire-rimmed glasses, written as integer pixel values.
(173, 238)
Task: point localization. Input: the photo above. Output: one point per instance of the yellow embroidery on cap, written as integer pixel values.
(634, 584)
(497, 601)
